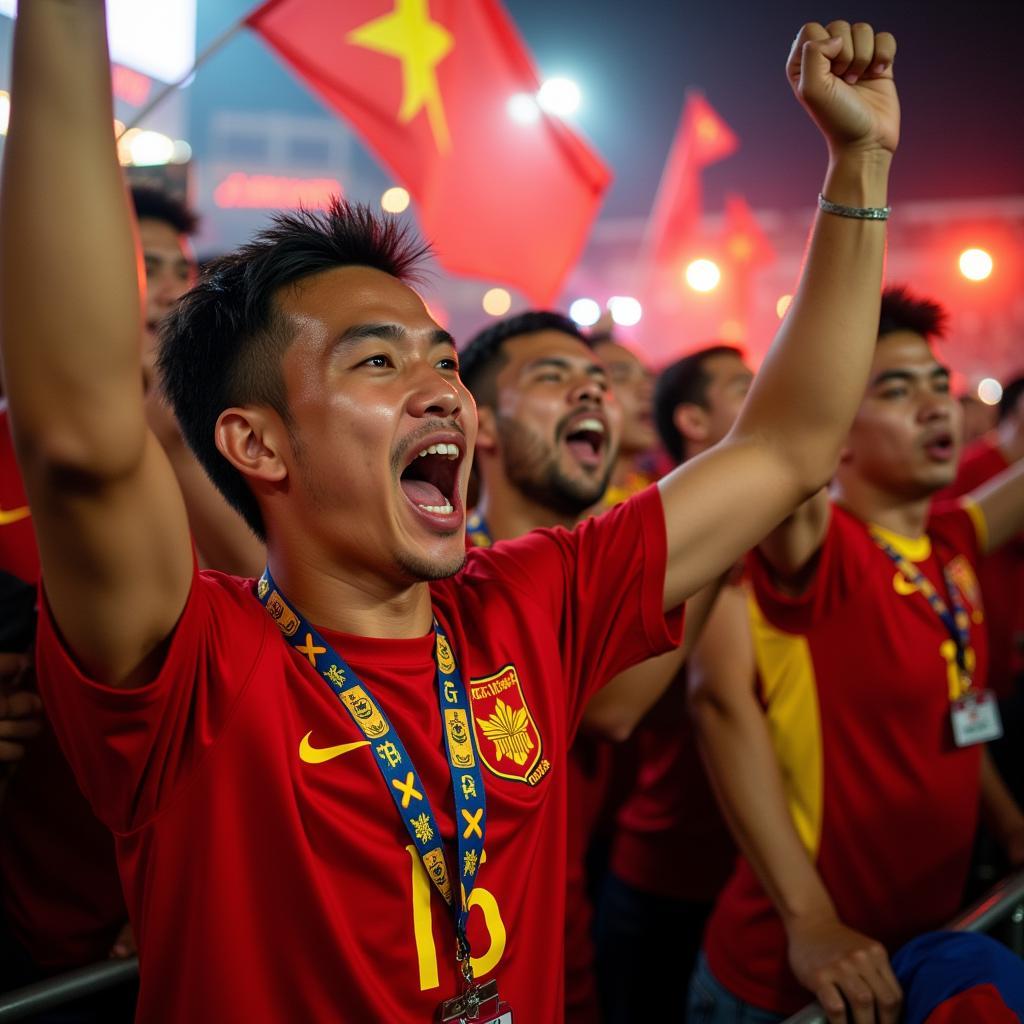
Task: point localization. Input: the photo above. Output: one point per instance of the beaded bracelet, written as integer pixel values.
(859, 212)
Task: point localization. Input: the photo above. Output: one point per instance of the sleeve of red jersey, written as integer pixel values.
(604, 584)
(837, 573)
(133, 749)
(959, 524)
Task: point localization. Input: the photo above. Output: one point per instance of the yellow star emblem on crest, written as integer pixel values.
(408, 34)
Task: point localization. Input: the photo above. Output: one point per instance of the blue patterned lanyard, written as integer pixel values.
(956, 621)
(477, 530)
(396, 767)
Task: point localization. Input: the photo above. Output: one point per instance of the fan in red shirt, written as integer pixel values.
(854, 772)
(263, 827)
(549, 438)
(671, 851)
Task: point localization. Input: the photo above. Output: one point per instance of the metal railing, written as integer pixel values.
(1005, 900)
(86, 981)
(1002, 901)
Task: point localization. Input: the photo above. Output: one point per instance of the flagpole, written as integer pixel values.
(218, 43)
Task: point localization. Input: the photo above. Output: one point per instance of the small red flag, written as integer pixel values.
(426, 84)
(745, 243)
(702, 138)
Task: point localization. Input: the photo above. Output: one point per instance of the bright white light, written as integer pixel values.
(5, 111)
(497, 302)
(782, 305)
(523, 108)
(975, 264)
(182, 152)
(157, 37)
(150, 148)
(395, 200)
(625, 310)
(559, 96)
(703, 275)
(585, 312)
(990, 391)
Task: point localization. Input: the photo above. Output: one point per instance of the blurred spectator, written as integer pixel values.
(853, 774)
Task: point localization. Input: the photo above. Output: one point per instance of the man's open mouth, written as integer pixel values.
(940, 447)
(430, 479)
(586, 440)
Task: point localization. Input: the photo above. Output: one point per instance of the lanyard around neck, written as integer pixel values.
(956, 620)
(396, 767)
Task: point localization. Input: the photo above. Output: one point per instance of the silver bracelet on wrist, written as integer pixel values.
(858, 212)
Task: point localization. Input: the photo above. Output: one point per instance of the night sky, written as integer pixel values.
(958, 70)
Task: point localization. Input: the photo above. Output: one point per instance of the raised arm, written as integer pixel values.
(829, 959)
(1001, 503)
(618, 708)
(110, 521)
(786, 441)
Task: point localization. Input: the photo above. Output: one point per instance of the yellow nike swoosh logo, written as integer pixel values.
(13, 515)
(902, 585)
(317, 755)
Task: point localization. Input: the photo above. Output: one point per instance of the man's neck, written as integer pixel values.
(1010, 439)
(908, 518)
(351, 601)
(508, 513)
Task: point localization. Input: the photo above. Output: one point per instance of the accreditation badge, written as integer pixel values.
(976, 718)
(480, 1004)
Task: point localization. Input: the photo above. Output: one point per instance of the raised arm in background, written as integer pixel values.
(110, 520)
(829, 959)
(786, 441)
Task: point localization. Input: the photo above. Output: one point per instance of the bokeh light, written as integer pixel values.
(703, 275)
(585, 312)
(559, 96)
(523, 109)
(990, 391)
(497, 302)
(782, 305)
(975, 264)
(148, 149)
(395, 200)
(625, 310)
(5, 111)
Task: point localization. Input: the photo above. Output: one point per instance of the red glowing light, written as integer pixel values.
(130, 86)
(273, 192)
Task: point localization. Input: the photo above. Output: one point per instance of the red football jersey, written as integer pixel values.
(670, 838)
(1001, 574)
(857, 675)
(265, 867)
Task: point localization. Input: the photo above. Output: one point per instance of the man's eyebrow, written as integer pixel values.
(388, 332)
(560, 363)
(908, 375)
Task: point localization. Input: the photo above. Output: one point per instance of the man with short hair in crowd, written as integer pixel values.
(854, 771)
(632, 380)
(671, 852)
(296, 839)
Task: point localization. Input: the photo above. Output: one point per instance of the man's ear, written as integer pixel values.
(487, 431)
(253, 441)
(692, 422)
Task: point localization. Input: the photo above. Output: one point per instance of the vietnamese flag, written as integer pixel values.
(426, 84)
(702, 138)
(745, 243)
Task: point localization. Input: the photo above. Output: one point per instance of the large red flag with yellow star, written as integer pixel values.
(426, 85)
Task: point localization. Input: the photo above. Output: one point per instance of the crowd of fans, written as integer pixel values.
(732, 812)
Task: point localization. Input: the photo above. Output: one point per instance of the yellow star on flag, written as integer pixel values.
(420, 44)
